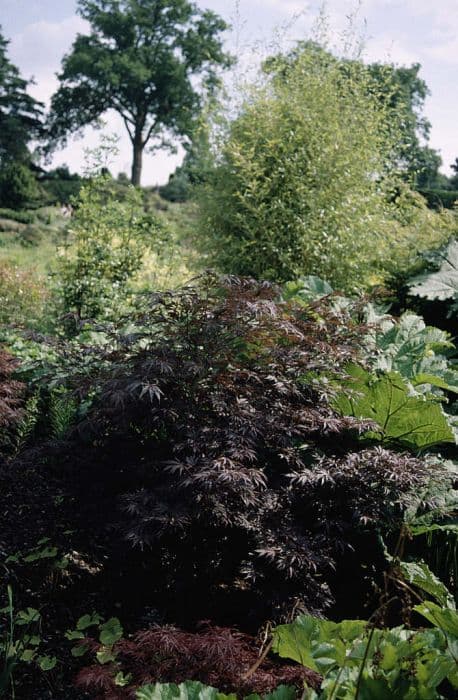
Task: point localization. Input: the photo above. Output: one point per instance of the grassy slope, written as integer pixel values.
(32, 247)
(174, 261)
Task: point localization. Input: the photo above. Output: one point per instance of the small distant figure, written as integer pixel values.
(66, 211)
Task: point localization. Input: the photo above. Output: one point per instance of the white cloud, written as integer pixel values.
(287, 6)
(442, 16)
(39, 49)
(385, 48)
(446, 52)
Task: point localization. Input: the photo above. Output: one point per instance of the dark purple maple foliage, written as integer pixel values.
(213, 464)
(216, 656)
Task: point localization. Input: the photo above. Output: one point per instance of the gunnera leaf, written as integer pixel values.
(307, 288)
(190, 690)
(315, 643)
(421, 576)
(417, 351)
(111, 632)
(412, 421)
(440, 285)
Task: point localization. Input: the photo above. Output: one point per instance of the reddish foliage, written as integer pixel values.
(213, 447)
(11, 398)
(216, 656)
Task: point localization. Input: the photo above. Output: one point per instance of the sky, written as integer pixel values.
(399, 31)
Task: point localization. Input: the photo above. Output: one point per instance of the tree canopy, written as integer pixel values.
(20, 113)
(402, 93)
(149, 60)
(405, 92)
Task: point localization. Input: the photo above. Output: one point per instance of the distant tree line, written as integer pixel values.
(156, 63)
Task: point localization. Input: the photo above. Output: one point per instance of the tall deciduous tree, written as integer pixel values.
(406, 92)
(19, 112)
(149, 60)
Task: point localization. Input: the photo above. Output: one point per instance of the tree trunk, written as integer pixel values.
(137, 159)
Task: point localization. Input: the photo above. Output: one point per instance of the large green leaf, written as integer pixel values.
(194, 690)
(307, 289)
(416, 351)
(427, 529)
(447, 380)
(421, 576)
(283, 692)
(47, 663)
(442, 515)
(442, 284)
(444, 619)
(357, 661)
(190, 690)
(111, 632)
(315, 643)
(88, 621)
(413, 421)
(294, 641)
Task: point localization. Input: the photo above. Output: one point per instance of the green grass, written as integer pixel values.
(35, 258)
(23, 217)
(171, 262)
(32, 247)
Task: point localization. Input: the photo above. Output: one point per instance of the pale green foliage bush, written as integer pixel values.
(107, 240)
(22, 296)
(306, 181)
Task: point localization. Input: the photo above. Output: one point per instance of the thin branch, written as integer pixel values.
(129, 131)
(257, 664)
(150, 132)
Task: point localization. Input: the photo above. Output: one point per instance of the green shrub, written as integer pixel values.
(11, 227)
(18, 187)
(19, 644)
(416, 231)
(104, 251)
(438, 199)
(46, 215)
(60, 186)
(31, 235)
(22, 217)
(177, 189)
(312, 189)
(195, 169)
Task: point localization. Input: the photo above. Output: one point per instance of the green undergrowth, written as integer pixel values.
(184, 416)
